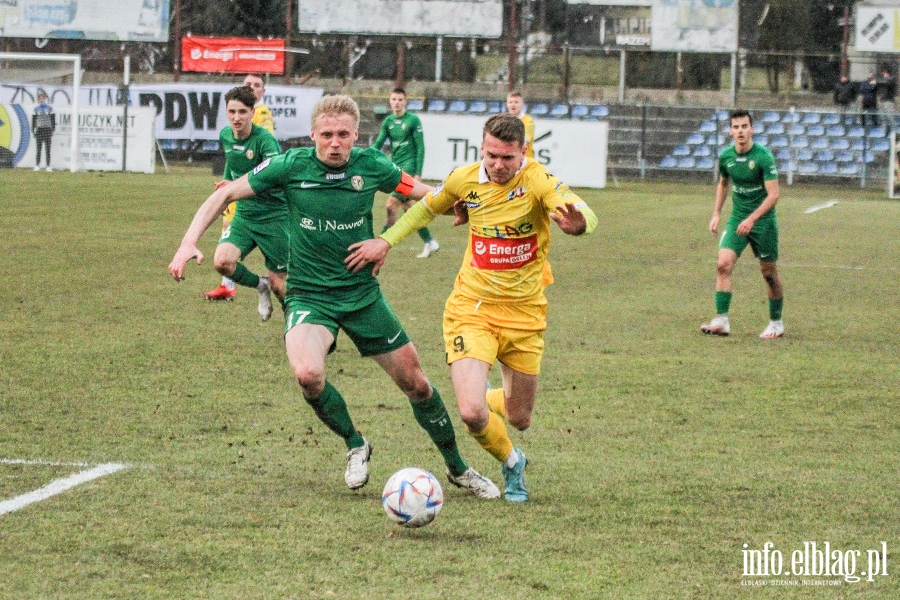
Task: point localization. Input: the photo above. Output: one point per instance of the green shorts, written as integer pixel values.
(374, 329)
(763, 238)
(271, 237)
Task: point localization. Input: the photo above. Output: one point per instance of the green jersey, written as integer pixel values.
(748, 173)
(330, 208)
(241, 157)
(407, 141)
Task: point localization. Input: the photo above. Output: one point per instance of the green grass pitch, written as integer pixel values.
(659, 456)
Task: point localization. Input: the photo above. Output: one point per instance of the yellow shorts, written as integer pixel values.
(228, 215)
(510, 333)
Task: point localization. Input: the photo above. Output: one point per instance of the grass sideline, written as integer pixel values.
(657, 452)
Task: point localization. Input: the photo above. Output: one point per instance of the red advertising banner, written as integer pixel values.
(232, 55)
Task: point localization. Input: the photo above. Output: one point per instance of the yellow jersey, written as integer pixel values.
(262, 116)
(509, 230)
(528, 122)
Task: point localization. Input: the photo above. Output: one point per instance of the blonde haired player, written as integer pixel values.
(262, 117)
(515, 104)
(497, 310)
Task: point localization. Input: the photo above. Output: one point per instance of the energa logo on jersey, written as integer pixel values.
(15, 134)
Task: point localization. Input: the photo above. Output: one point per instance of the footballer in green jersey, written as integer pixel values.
(261, 224)
(750, 169)
(404, 131)
(330, 191)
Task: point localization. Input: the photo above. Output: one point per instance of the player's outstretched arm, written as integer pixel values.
(369, 251)
(208, 212)
(571, 219)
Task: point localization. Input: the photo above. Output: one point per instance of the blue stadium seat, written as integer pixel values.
(771, 117)
(681, 150)
(790, 117)
(775, 128)
(787, 165)
(415, 104)
(457, 106)
(496, 107)
(783, 154)
(761, 139)
(856, 131)
(801, 142)
(186, 145)
(168, 145)
(829, 168)
(877, 132)
(836, 131)
(840, 144)
(559, 111)
(881, 145)
(600, 111)
(825, 155)
(695, 139)
(844, 156)
(210, 146)
(539, 110)
(804, 154)
(701, 151)
(717, 140)
(819, 143)
(778, 141)
(831, 119)
(437, 105)
(669, 162)
(811, 118)
(797, 129)
(759, 128)
(687, 162)
(808, 168)
(721, 115)
(706, 163)
(708, 127)
(851, 120)
(580, 111)
(869, 156)
(477, 107)
(816, 129)
(849, 170)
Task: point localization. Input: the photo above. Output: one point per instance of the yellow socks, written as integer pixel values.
(494, 438)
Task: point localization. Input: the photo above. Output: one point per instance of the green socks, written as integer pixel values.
(775, 306)
(723, 302)
(245, 277)
(432, 416)
(332, 410)
(425, 235)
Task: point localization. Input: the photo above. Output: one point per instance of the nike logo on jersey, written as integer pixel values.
(309, 184)
(393, 339)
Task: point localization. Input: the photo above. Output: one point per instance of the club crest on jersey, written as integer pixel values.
(357, 182)
(752, 164)
(250, 154)
(516, 193)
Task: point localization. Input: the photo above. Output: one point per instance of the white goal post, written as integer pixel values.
(75, 59)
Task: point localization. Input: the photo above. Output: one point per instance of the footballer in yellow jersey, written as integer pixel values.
(515, 104)
(497, 311)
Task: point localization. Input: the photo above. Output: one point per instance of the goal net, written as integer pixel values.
(23, 76)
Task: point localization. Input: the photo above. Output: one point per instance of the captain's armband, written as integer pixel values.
(407, 182)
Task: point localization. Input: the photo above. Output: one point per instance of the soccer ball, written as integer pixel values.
(412, 497)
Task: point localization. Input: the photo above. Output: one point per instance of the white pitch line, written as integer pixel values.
(57, 486)
(48, 463)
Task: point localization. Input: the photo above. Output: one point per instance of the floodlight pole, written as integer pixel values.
(287, 43)
(126, 80)
(513, 35)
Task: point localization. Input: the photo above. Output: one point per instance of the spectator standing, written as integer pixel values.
(845, 93)
(887, 91)
(43, 124)
(868, 90)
